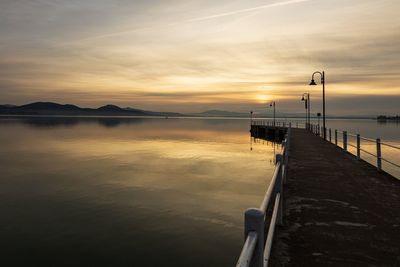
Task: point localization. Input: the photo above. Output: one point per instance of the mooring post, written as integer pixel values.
(330, 135)
(345, 141)
(378, 154)
(358, 146)
(335, 137)
(279, 185)
(254, 221)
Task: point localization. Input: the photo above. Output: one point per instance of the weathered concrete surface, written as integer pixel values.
(338, 211)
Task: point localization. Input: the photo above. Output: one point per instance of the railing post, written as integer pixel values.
(378, 154)
(358, 146)
(345, 141)
(335, 137)
(279, 187)
(254, 221)
(330, 135)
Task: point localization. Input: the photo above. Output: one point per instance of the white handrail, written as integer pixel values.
(250, 254)
(271, 231)
(359, 149)
(268, 194)
(248, 250)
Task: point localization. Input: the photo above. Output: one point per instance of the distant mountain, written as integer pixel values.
(50, 108)
(46, 106)
(111, 108)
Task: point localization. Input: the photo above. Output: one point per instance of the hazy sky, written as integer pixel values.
(192, 55)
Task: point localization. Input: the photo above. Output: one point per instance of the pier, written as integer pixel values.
(328, 206)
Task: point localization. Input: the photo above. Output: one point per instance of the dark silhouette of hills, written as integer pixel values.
(50, 108)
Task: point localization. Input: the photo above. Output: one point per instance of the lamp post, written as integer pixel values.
(323, 97)
(319, 126)
(273, 105)
(306, 98)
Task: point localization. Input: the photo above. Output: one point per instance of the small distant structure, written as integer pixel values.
(383, 118)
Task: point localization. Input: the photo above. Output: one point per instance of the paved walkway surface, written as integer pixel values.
(338, 211)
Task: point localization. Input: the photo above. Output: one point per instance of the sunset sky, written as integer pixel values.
(192, 55)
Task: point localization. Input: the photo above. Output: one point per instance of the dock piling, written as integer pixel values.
(358, 146)
(335, 137)
(345, 141)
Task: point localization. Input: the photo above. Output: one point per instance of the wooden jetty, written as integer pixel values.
(326, 207)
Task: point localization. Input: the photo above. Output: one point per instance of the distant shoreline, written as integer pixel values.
(171, 117)
(50, 109)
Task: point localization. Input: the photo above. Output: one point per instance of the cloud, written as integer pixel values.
(197, 19)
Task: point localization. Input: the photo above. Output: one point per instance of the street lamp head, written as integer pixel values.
(302, 99)
(312, 82)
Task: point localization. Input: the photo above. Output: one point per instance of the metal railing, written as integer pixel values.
(257, 249)
(357, 145)
(283, 124)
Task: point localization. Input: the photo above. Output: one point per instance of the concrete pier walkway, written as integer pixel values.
(338, 211)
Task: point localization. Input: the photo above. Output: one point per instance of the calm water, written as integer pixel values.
(134, 192)
(127, 192)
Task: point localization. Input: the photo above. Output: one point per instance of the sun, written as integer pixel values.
(263, 98)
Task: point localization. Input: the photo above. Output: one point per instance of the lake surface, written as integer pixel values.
(134, 192)
(127, 191)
